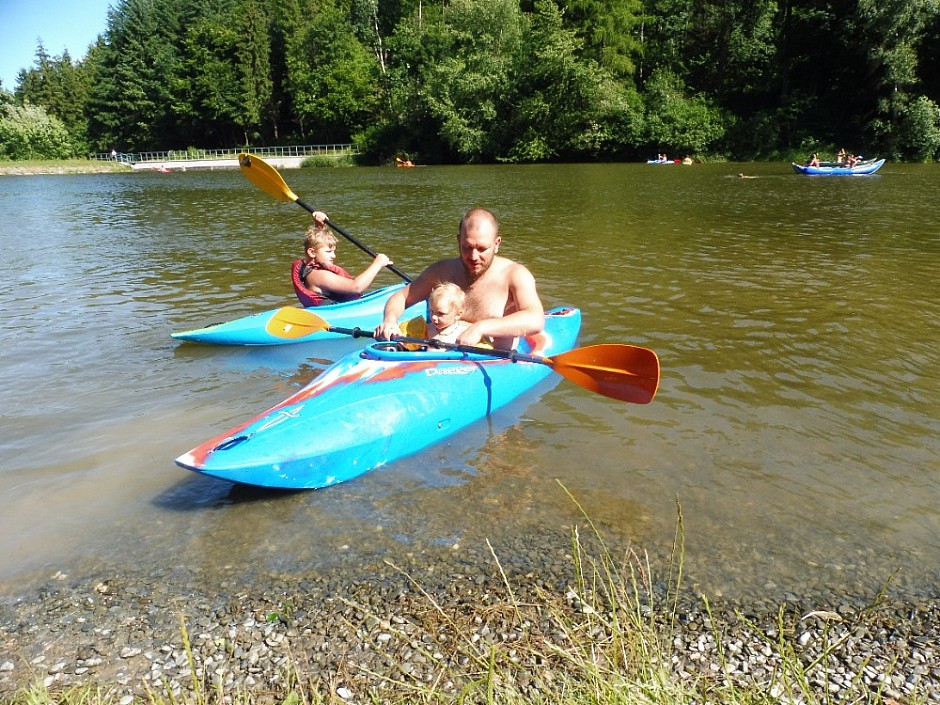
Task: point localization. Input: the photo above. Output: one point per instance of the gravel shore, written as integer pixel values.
(382, 629)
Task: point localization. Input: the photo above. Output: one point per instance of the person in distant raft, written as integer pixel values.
(317, 277)
(500, 297)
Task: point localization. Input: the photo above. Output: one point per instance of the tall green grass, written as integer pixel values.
(326, 160)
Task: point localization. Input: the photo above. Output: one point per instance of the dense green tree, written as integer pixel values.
(726, 49)
(568, 105)
(403, 121)
(367, 24)
(284, 17)
(485, 80)
(254, 63)
(62, 88)
(679, 122)
(223, 87)
(29, 132)
(471, 90)
(206, 91)
(552, 93)
(332, 76)
(918, 129)
(35, 84)
(893, 30)
(610, 30)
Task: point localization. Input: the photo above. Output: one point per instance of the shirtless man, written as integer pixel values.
(501, 299)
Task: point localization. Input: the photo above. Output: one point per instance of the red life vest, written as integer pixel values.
(308, 297)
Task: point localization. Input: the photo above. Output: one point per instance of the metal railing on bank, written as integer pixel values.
(307, 150)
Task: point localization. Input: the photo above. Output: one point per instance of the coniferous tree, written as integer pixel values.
(62, 89)
(609, 30)
(133, 99)
(253, 55)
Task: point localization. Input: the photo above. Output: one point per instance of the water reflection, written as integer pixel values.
(795, 428)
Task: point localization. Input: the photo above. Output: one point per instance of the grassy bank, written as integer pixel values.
(607, 646)
(60, 166)
(91, 166)
(613, 637)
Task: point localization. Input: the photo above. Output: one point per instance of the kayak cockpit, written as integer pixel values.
(408, 349)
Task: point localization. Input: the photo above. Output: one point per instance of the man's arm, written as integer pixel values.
(335, 284)
(394, 308)
(415, 291)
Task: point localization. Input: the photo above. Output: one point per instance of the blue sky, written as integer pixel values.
(61, 24)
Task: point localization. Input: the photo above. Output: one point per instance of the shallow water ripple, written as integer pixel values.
(795, 319)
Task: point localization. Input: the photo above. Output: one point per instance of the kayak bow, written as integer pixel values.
(373, 407)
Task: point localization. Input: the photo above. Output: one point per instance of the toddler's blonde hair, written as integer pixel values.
(446, 296)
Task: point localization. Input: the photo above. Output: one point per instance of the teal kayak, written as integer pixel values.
(374, 406)
(272, 328)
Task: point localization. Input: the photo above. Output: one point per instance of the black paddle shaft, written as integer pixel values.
(470, 349)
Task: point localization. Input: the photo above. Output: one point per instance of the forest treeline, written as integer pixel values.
(462, 81)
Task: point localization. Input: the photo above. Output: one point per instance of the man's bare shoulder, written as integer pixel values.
(444, 270)
(516, 269)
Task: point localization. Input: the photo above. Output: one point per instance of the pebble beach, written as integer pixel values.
(445, 617)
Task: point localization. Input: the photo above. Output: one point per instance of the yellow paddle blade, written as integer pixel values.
(290, 322)
(415, 327)
(265, 177)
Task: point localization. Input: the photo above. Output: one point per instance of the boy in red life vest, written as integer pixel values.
(322, 276)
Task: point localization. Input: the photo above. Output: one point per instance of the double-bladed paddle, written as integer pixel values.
(267, 178)
(625, 372)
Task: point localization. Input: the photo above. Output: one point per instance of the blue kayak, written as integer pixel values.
(375, 406)
(860, 169)
(275, 328)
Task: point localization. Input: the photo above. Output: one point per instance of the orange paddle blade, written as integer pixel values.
(625, 372)
(265, 177)
(290, 322)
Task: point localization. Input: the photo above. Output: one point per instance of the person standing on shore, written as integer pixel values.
(500, 297)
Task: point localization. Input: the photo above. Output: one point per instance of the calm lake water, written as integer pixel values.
(797, 427)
